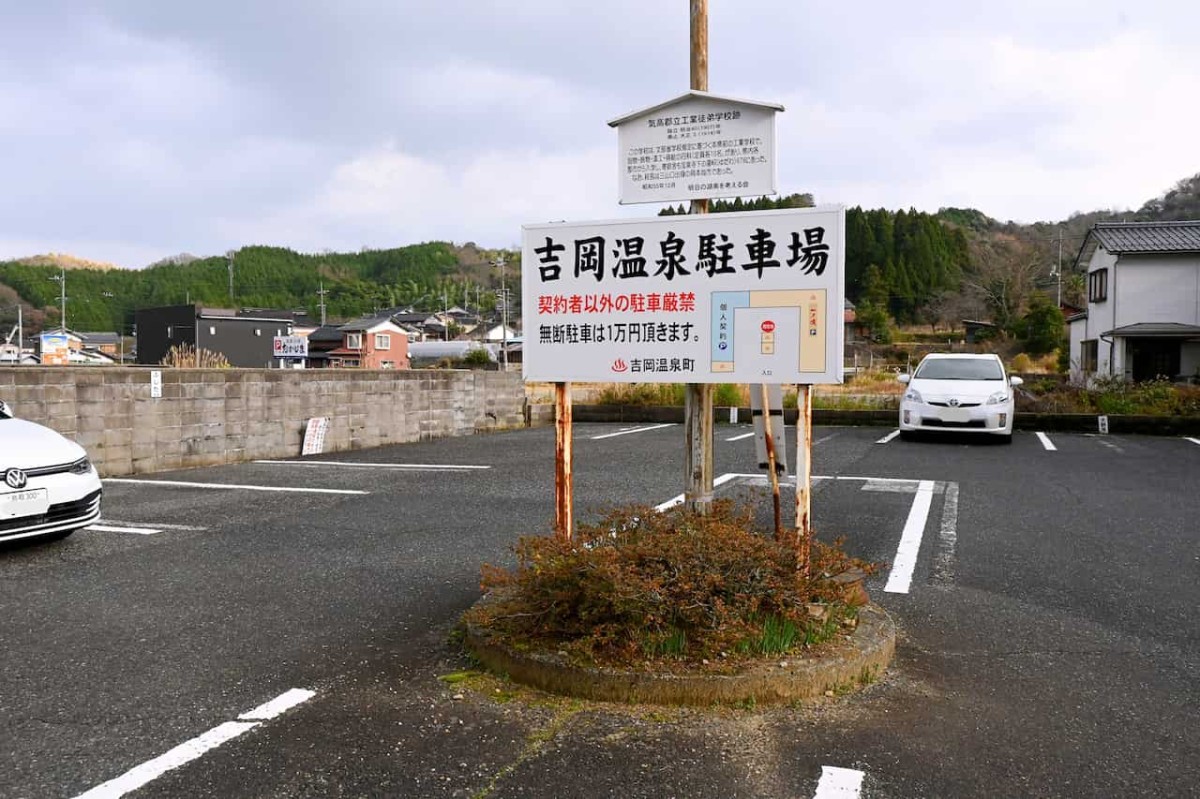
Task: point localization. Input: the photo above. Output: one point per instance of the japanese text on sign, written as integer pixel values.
(687, 296)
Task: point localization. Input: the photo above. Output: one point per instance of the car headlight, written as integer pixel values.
(81, 466)
(912, 395)
(997, 398)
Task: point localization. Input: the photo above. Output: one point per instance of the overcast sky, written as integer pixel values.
(135, 129)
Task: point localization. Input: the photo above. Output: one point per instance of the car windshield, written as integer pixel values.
(960, 369)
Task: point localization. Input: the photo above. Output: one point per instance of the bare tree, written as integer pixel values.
(1002, 276)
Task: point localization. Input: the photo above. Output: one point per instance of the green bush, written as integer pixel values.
(646, 394)
(477, 357)
(727, 395)
(640, 584)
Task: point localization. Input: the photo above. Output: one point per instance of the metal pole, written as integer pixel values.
(500, 262)
(766, 415)
(20, 333)
(803, 476)
(62, 292)
(698, 397)
(564, 513)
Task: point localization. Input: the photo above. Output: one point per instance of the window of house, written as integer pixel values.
(1098, 285)
(212, 331)
(383, 341)
(258, 331)
(354, 341)
(1089, 353)
(388, 365)
(170, 331)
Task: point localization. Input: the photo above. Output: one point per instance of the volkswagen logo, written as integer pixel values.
(16, 478)
(953, 403)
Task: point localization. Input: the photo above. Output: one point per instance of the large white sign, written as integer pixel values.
(751, 297)
(696, 148)
(291, 347)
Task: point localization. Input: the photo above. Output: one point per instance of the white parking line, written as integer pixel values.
(1193, 440)
(432, 467)
(188, 751)
(943, 564)
(634, 430)
(230, 486)
(839, 783)
(739, 438)
(1046, 442)
(888, 437)
(900, 578)
(279, 705)
(104, 528)
(722, 480)
(155, 525)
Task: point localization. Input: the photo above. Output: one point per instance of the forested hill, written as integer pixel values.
(908, 266)
(426, 275)
(917, 256)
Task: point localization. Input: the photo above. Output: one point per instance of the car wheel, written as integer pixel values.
(908, 435)
(1006, 439)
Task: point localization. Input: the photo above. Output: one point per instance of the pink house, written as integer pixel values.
(371, 343)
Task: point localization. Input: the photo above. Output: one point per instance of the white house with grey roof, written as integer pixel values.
(1143, 314)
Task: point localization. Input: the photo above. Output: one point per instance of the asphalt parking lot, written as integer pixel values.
(279, 629)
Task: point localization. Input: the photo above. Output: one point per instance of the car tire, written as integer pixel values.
(908, 435)
(1006, 439)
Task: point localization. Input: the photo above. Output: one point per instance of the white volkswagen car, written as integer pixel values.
(969, 393)
(48, 487)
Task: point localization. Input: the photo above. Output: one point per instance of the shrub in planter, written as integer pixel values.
(642, 586)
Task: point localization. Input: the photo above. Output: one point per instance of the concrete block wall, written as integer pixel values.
(207, 417)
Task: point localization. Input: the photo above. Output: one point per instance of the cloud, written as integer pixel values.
(388, 197)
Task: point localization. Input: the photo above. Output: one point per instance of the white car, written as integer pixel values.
(968, 393)
(48, 487)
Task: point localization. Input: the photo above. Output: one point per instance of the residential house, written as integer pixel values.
(371, 343)
(245, 337)
(1142, 319)
(108, 343)
(321, 342)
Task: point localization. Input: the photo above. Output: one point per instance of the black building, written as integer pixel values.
(246, 337)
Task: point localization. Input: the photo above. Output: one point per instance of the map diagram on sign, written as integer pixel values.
(769, 332)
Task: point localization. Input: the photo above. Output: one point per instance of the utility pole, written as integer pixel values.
(62, 297)
(229, 256)
(698, 397)
(321, 292)
(500, 262)
(1059, 270)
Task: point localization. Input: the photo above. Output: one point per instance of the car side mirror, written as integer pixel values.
(5, 410)
(903, 378)
(1015, 381)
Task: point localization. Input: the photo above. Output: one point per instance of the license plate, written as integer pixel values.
(33, 502)
(955, 415)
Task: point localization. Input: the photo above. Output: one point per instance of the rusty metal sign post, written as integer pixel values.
(564, 512)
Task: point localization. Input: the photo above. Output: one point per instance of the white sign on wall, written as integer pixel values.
(291, 347)
(715, 298)
(314, 436)
(696, 146)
